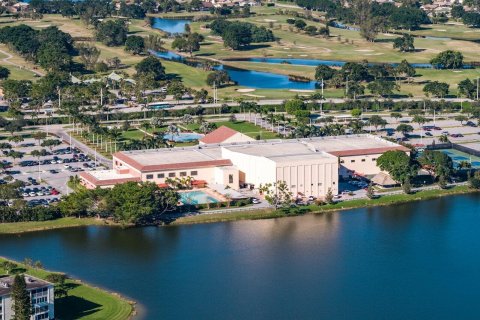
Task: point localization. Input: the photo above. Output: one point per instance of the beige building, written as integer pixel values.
(309, 166)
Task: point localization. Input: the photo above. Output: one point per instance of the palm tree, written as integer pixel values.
(38, 154)
(187, 119)
(173, 129)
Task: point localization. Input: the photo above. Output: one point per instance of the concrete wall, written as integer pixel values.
(256, 170)
(222, 176)
(206, 174)
(238, 137)
(310, 178)
(362, 165)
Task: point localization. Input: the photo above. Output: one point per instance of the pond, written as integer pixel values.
(251, 78)
(409, 261)
(170, 25)
(316, 62)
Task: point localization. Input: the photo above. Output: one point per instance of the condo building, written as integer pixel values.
(41, 297)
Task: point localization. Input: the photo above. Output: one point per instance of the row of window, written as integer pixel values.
(363, 160)
(41, 316)
(39, 299)
(172, 175)
(318, 184)
(41, 290)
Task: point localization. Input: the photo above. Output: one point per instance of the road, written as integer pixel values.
(190, 104)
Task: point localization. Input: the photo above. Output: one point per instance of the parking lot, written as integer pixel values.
(46, 177)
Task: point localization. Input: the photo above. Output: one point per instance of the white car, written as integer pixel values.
(255, 201)
(25, 194)
(311, 198)
(66, 166)
(40, 193)
(32, 194)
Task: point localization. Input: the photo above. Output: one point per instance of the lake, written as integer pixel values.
(170, 25)
(411, 261)
(251, 78)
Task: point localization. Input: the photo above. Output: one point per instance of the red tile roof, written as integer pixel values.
(171, 166)
(107, 182)
(219, 135)
(360, 152)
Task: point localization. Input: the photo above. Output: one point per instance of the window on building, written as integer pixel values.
(293, 186)
(161, 175)
(149, 176)
(194, 173)
(374, 159)
(230, 178)
(319, 184)
(352, 161)
(342, 161)
(171, 174)
(333, 182)
(183, 174)
(363, 160)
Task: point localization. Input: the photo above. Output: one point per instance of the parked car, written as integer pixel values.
(255, 201)
(428, 134)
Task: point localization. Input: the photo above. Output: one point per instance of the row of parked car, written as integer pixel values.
(40, 191)
(41, 202)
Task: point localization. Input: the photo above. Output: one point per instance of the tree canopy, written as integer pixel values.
(398, 164)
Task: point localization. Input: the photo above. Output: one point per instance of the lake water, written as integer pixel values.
(170, 25)
(412, 261)
(316, 62)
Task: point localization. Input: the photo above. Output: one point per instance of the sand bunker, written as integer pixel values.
(365, 50)
(245, 90)
(253, 95)
(269, 20)
(298, 90)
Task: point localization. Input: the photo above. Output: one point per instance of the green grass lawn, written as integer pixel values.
(244, 127)
(19, 227)
(83, 301)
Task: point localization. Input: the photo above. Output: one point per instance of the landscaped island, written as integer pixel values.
(74, 299)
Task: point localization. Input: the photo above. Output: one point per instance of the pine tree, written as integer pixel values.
(329, 196)
(21, 299)
(370, 192)
(407, 187)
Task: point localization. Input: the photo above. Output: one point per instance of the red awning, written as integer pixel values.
(198, 182)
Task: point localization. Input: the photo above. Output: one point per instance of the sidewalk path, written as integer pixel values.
(7, 60)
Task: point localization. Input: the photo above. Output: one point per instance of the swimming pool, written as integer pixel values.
(196, 197)
(182, 137)
(459, 156)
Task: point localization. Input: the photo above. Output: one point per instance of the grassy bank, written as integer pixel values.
(346, 205)
(69, 222)
(83, 301)
(382, 200)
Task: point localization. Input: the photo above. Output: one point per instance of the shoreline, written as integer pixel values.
(95, 291)
(382, 200)
(385, 200)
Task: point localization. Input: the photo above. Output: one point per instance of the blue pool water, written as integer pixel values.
(170, 25)
(159, 106)
(196, 197)
(182, 137)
